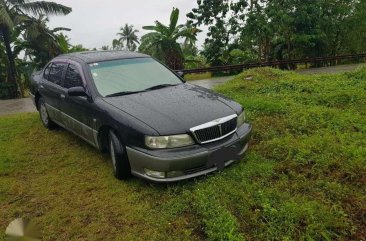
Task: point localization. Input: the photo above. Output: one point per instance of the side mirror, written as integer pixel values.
(76, 91)
(180, 73)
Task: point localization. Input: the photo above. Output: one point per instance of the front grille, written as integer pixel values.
(228, 126)
(215, 130)
(208, 134)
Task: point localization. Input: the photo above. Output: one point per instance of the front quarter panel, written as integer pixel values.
(131, 130)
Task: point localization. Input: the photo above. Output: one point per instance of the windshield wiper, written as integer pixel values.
(134, 92)
(159, 87)
(124, 93)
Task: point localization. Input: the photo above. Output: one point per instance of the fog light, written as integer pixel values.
(175, 174)
(155, 174)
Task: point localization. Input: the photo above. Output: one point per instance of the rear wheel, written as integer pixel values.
(120, 162)
(45, 118)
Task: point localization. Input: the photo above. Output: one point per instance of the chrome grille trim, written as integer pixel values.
(214, 131)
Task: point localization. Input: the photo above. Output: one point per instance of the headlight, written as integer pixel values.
(162, 142)
(241, 120)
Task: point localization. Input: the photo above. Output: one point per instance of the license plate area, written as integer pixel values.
(219, 157)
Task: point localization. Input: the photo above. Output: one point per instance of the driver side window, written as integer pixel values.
(53, 73)
(72, 77)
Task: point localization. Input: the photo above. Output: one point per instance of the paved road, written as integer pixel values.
(331, 69)
(26, 105)
(211, 83)
(16, 106)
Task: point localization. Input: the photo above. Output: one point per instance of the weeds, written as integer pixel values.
(303, 178)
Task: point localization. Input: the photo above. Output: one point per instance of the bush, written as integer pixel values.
(8, 90)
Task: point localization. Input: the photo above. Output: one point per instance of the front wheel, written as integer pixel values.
(120, 162)
(45, 118)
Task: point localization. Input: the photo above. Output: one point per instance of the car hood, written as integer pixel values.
(176, 109)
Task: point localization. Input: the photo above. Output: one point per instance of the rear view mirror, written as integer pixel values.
(76, 91)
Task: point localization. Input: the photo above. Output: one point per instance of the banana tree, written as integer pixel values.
(164, 39)
(11, 14)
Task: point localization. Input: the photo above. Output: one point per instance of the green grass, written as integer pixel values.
(303, 178)
(191, 77)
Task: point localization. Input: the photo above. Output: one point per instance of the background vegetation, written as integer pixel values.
(238, 32)
(280, 29)
(303, 178)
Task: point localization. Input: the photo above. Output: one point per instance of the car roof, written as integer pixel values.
(99, 56)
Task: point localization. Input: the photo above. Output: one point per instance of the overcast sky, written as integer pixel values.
(94, 23)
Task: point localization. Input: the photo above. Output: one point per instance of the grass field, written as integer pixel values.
(190, 77)
(304, 177)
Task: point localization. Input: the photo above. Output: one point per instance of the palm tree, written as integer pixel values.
(12, 12)
(128, 36)
(163, 41)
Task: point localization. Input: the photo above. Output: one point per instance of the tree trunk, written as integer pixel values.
(9, 53)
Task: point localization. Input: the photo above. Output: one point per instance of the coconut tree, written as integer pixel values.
(164, 39)
(12, 12)
(129, 37)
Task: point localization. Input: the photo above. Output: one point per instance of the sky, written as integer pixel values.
(94, 23)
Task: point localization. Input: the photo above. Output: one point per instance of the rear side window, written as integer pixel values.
(72, 77)
(54, 72)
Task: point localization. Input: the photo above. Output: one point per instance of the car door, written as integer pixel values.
(77, 111)
(51, 88)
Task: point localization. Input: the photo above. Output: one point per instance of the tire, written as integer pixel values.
(120, 162)
(43, 114)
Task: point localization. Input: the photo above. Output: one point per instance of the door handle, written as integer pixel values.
(62, 96)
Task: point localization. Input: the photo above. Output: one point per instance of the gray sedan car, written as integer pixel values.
(153, 124)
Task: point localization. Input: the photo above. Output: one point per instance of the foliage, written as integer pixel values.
(303, 177)
(223, 18)
(162, 42)
(117, 45)
(41, 44)
(127, 36)
(280, 29)
(7, 90)
(14, 13)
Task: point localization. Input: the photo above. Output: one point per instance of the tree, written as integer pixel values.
(163, 41)
(117, 44)
(41, 44)
(77, 48)
(129, 37)
(223, 18)
(14, 11)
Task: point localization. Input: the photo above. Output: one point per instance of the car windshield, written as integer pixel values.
(130, 76)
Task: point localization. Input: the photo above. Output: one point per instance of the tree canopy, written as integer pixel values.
(281, 29)
(162, 42)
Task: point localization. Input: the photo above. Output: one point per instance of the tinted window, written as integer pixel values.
(54, 71)
(47, 71)
(72, 78)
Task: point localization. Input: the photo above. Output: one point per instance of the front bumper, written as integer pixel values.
(190, 161)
